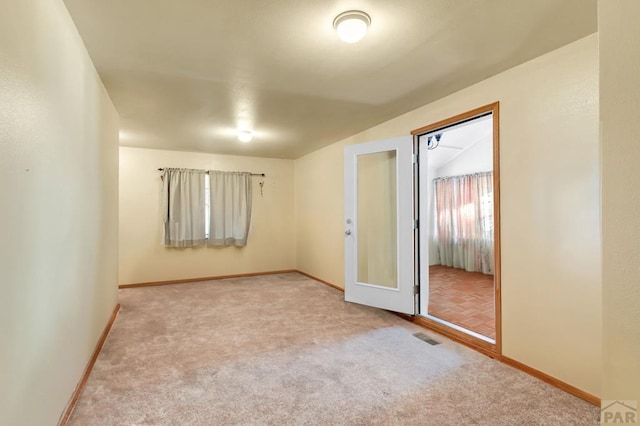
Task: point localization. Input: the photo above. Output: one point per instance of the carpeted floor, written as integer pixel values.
(286, 350)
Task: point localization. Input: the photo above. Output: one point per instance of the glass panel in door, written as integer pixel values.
(377, 219)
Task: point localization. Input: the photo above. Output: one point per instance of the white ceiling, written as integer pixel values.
(455, 140)
(185, 74)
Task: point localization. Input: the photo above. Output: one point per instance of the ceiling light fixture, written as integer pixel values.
(244, 135)
(352, 25)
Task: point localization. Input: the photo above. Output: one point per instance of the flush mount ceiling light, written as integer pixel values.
(352, 25)
(244, 135)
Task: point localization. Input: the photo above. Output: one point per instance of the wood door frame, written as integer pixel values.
(481, 345)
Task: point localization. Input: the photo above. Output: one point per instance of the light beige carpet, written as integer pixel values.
(286, 350)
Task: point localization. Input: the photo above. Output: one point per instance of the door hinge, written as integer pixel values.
(414, 158)
(415, 224)
(416, 290)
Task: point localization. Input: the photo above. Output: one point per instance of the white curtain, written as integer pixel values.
(464, 221)
(183, 207)
(230, 204)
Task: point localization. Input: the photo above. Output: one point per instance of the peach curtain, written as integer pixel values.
(463, 229)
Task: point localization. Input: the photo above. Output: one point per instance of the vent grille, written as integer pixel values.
(426, 338)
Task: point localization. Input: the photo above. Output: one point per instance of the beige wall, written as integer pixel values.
(550, 207)
(620, 131)
(59, 214)
(271, 244)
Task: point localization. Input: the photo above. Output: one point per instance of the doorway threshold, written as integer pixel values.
(459, 328)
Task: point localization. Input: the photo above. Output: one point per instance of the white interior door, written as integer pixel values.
(379, 250)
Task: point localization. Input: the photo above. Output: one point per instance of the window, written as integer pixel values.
(463, 217)
(206, 208)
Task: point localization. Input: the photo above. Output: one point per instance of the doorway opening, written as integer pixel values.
(430, 219)
(457, 200)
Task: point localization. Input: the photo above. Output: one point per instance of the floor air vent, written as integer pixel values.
(426, 338)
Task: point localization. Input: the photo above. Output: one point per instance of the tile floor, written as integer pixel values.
(462, 298)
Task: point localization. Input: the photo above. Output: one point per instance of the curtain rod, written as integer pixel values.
(252, 174)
